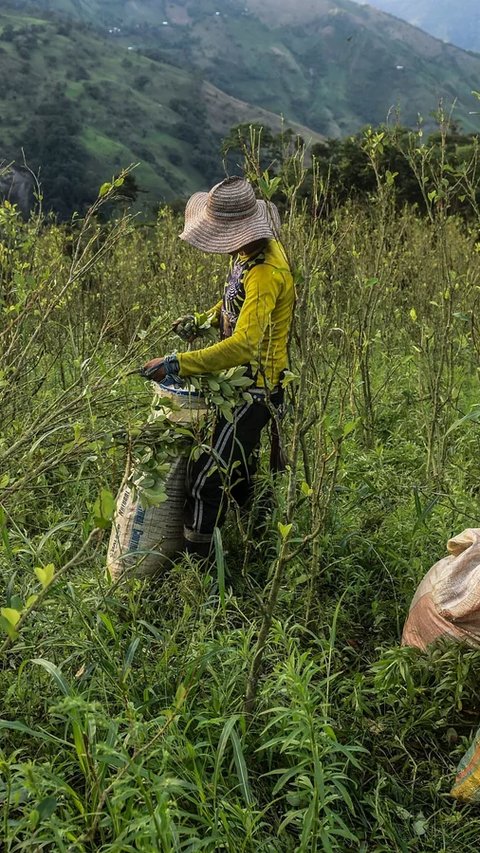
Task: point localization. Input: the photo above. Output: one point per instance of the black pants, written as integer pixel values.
(224, 471)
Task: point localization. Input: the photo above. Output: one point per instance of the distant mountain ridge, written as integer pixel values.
(331, 65)
(457, 23)
(336, 66)
(161, 81)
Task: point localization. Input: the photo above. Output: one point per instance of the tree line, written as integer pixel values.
(349, 168)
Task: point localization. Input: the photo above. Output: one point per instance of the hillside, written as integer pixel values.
(113, 104)
(104, 84)
(458, 23)
(332, 66)
(92, 106)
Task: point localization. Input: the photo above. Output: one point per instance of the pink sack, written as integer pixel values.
(447, 600)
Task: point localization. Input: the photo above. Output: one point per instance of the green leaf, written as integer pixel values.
(4, 533)
(151, 497)
(420, 825)
(46, 575)
(104, 189)
(474, 416)
(227, 413)
(224, 737)
(220, 562)
(16, 602)
(40, 734)
(350, 427)
(104, 508)
(180, 696)
(284, 529)
(56, 673)
(268, 185)
(46, 808)
(413, 315)
(306, 490)
(288, 378)
(108, 624)
(241, 768)
(80, 745)
(241, 381)
(61, 525)
(11, 615)
(127, 664)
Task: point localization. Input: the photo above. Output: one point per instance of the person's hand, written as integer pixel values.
(154, 369)
(186, 328)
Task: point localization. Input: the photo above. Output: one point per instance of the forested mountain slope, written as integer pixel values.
(332, 65)
(81, 107)
(93, 85)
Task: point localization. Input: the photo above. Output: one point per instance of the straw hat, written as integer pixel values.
(228, 217)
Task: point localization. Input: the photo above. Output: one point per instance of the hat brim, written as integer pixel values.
(210, 235)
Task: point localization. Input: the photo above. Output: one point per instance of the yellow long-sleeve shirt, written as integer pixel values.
(254, 318)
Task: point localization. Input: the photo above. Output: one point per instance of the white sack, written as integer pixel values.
(447, 600)
(143, 541)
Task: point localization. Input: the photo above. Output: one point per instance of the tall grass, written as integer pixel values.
(279, 714)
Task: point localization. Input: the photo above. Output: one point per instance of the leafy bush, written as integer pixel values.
(264, 704)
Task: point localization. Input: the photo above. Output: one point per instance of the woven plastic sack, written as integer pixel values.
(447, 601)
(467, 782)
(143, 541)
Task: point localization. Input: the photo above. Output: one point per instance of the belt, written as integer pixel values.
(263, 394)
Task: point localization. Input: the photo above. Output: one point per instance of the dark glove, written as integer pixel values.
(186, 328)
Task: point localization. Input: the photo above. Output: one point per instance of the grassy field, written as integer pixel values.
(124, 724)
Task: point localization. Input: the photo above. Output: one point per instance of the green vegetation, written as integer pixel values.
(331, 67)
(82, 107)
(408, 160)
(124, 719)
(92, 86)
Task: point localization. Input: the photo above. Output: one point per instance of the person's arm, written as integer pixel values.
(156, 369)
(262, 285)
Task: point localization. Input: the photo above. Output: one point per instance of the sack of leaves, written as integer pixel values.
(447, 601)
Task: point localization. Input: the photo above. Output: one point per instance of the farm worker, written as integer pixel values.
(253, 319)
